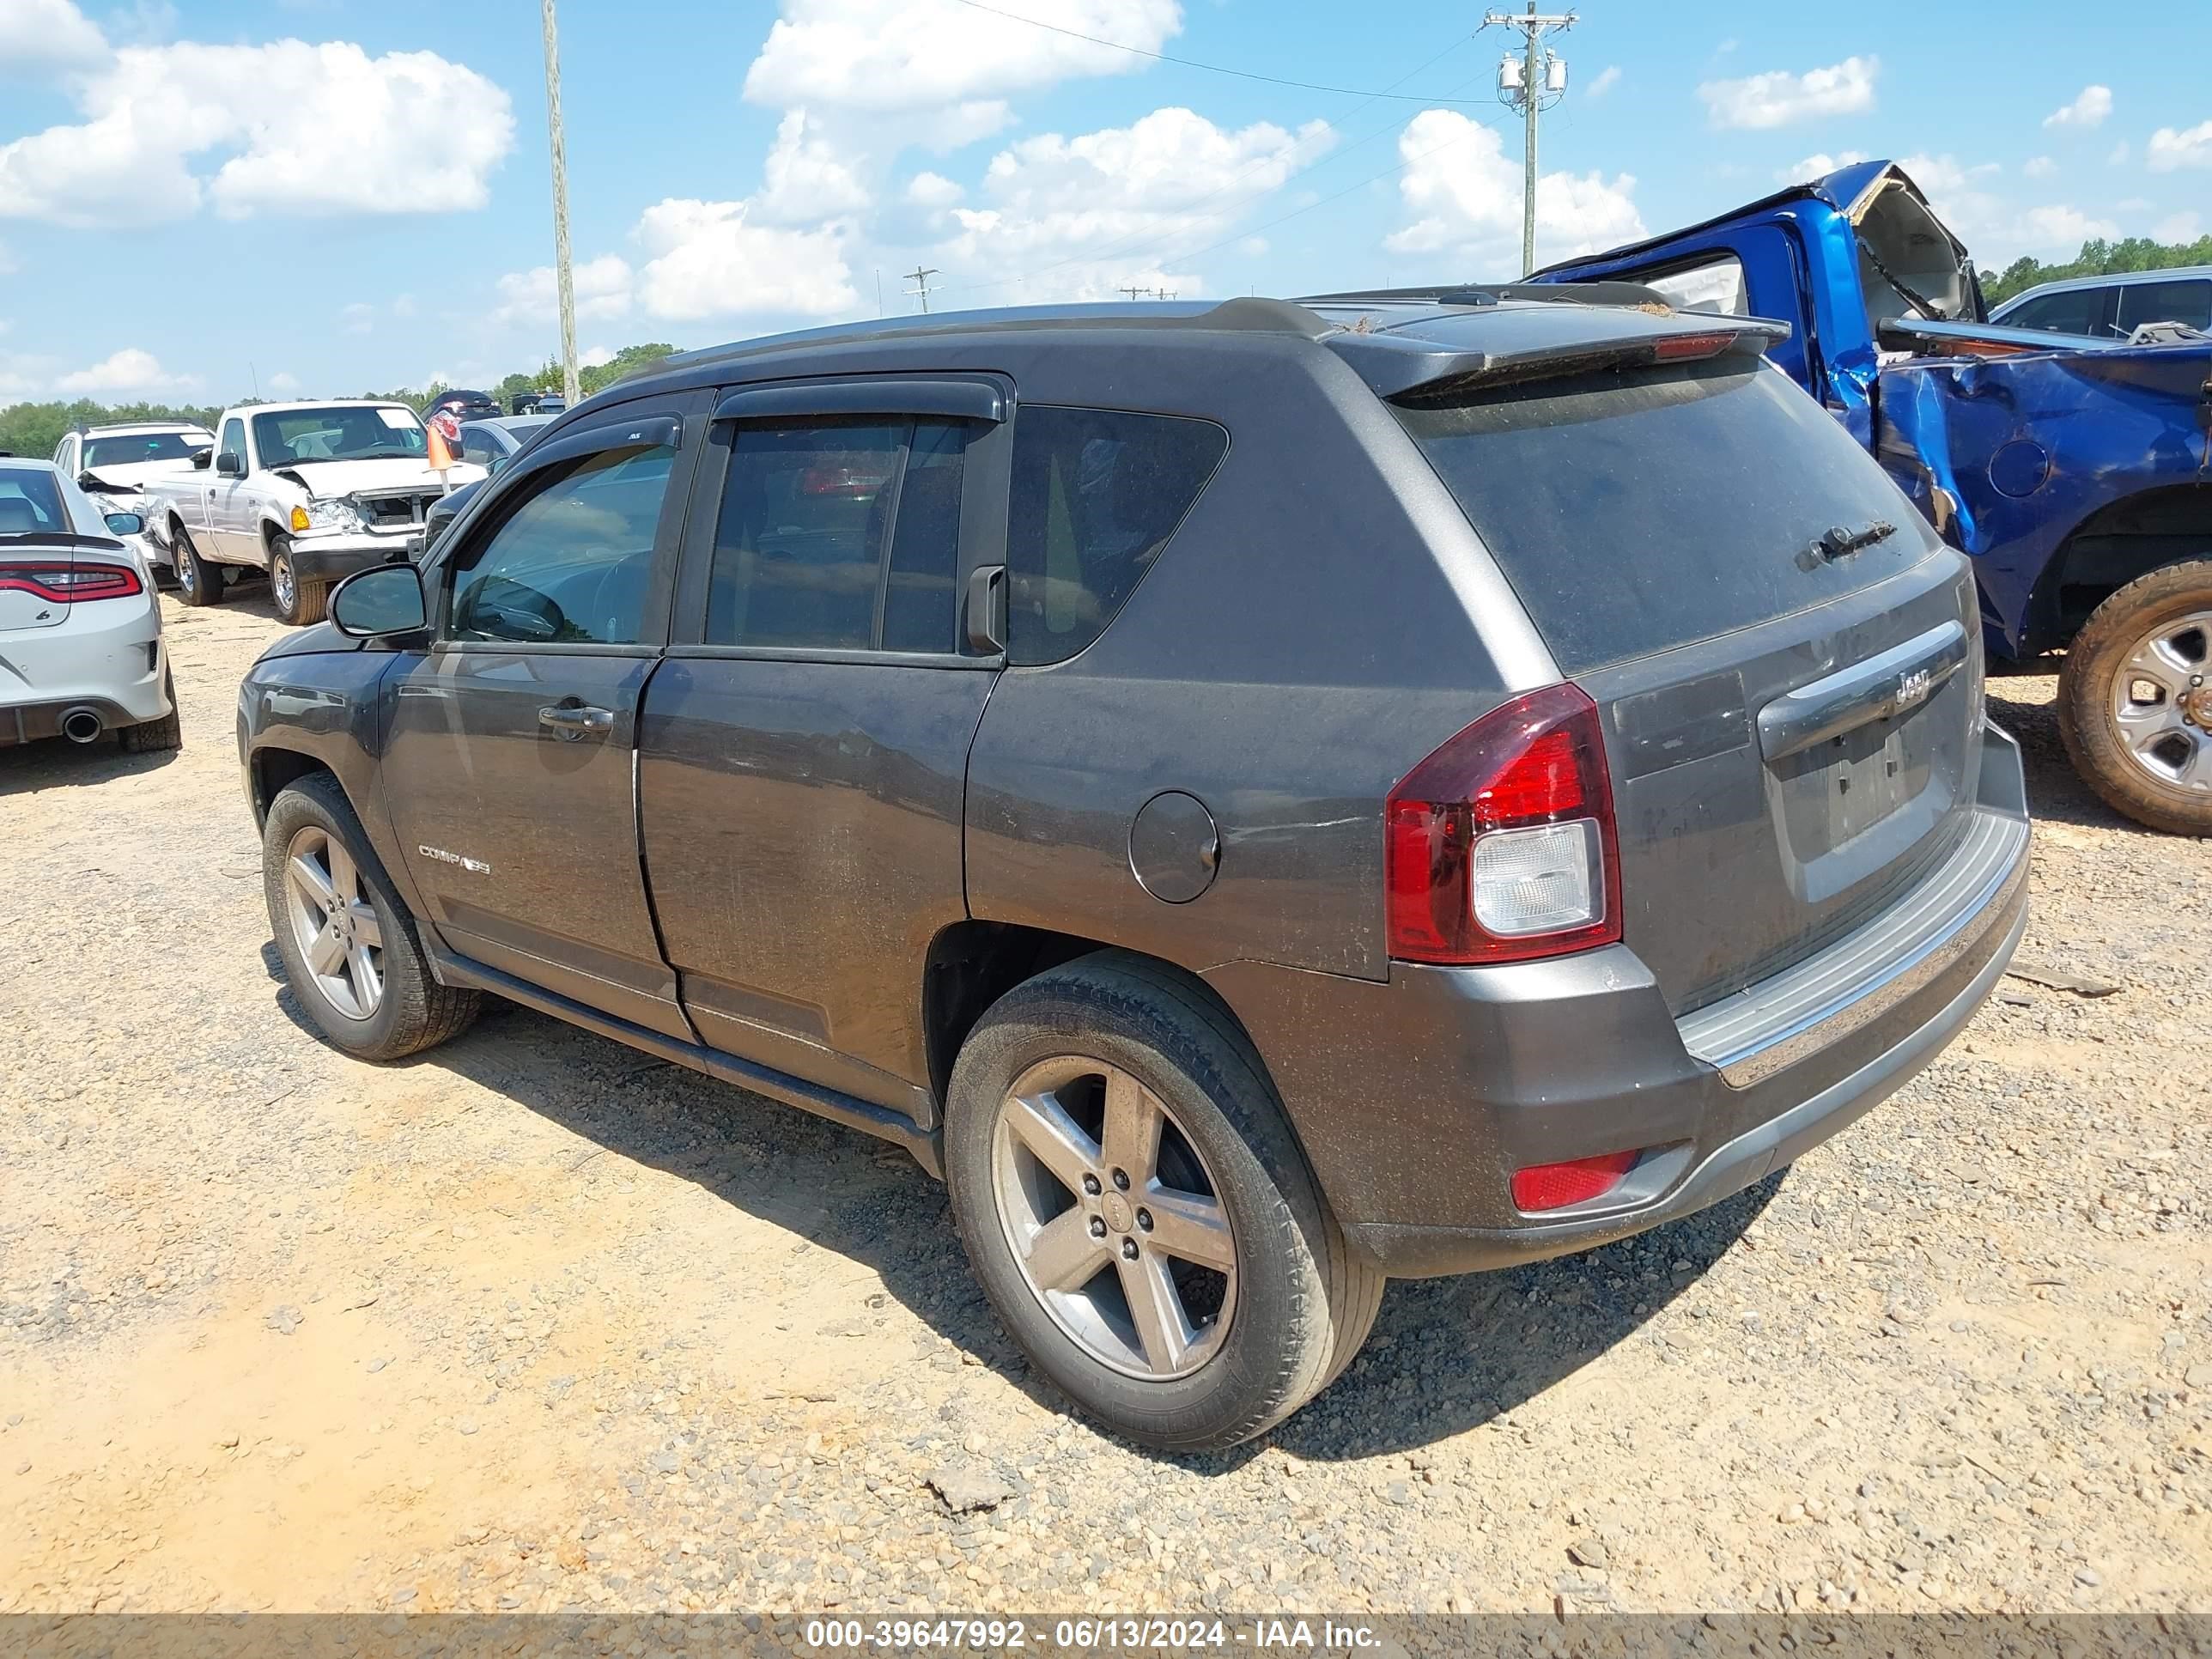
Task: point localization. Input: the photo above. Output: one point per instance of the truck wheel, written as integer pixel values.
(198, 582)
(1139, 1212)
(166, 732)
(298, 603)
(2135, 700)
(349, 947)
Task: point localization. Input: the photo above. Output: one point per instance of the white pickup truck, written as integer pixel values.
(307, 492)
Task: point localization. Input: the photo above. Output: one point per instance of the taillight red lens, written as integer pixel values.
(1538, 760)
(71, 584)
(1555, 1186)
(1688, 348)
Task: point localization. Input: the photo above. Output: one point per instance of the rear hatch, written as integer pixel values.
(1787, 657)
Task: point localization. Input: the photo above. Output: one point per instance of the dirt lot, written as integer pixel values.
(535, 1322)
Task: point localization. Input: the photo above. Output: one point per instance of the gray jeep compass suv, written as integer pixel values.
(1260, 797)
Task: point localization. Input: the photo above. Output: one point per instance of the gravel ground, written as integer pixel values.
(533, 1322)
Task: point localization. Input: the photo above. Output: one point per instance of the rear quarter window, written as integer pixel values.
(1639, 510)
(1097, 494)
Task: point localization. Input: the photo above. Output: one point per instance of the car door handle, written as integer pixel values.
(573, 721)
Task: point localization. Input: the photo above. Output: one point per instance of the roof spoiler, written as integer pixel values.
(1490, 294)
(1412, 372)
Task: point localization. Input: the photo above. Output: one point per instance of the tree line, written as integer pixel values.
(34, 429)
(2097, 258)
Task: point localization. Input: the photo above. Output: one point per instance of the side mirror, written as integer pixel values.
(387, 599)
(125, 524)
(200, 458)
(230, 464)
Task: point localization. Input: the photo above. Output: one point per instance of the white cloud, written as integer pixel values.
(1777, 98)
(2179, 227)
(281, 381)
(42, 38)
(709, 259)
(287, 127)
(595, 357)
(1082, 217)
(954, 62)
(2039, 166)
(932, 191)
(2088, 110)
(129, 370)
(1464, 194)
(2171, 147)
(1603, 81)
(1818, 164)
(2059, 229)
(807, 179)
(601, 286)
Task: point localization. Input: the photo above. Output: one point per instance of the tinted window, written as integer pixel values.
(1633, 512)
(2186, 301)
(1096, 495)
(29, 503)
(234, 437)
(480, 446)
(2079, 311)
(573, 561)
(145, 447)
(809, 514)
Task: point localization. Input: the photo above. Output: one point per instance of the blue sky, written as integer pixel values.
(322, 196)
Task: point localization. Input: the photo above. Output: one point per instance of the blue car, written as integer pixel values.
(2073, 471)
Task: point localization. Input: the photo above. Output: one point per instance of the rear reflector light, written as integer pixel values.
(1500, 845)
(70, 584)
(1555, 1186)
(1688, 348)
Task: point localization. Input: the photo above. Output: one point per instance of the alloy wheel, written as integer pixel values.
(333, 923)
(1113, 1217)
(282, 584)
(2162, 702)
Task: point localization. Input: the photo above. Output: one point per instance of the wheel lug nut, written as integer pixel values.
(1098, 1227)
(1128, 1249)
(1144, 1221)
(1122, 1179)
(1091, 1185)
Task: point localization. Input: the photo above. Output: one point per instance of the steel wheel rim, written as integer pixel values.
(1140, 1270)
(335, 927)
(184, 563)
(2160, 705)
(280, 578)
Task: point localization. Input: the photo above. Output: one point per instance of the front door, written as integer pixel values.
(227, 507)
(804, 753)
(510, 747)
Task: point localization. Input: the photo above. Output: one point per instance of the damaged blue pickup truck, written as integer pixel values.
(2073, 472)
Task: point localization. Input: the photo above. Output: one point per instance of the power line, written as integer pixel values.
(1211, 68)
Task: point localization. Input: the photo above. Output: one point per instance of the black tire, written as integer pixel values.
(1303, 1302)
(166, 732)
(198, 582)
(309, 602)
(2086, 684)
(415, 1012)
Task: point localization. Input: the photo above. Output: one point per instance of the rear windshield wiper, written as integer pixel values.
(1841, 544)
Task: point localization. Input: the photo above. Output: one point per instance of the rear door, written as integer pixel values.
(803, 750)
(510, 747)
(1788, 659)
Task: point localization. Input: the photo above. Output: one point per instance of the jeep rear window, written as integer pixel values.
(1637, 510)
(1097, 493)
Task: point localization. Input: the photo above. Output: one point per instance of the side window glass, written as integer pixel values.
(2075, 312)
(573, 562)
(840, 535)
(920, 602)
(1097, 493)
(1716, 285)
(234, 437)
(2186, 302)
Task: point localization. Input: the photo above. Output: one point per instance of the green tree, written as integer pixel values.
(2097, 258)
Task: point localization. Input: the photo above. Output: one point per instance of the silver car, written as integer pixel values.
(80, 650)
(2113, 307)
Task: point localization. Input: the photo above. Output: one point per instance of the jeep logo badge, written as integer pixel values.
(1914, 687)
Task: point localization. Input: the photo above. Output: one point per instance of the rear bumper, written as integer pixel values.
(1417, 1099)
(119, 671)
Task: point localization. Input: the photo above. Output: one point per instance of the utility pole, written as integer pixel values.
(1536, 82)
(1134, 293)
(920, 278)
(564, 279)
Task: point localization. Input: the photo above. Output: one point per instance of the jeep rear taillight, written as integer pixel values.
(1500, 845)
